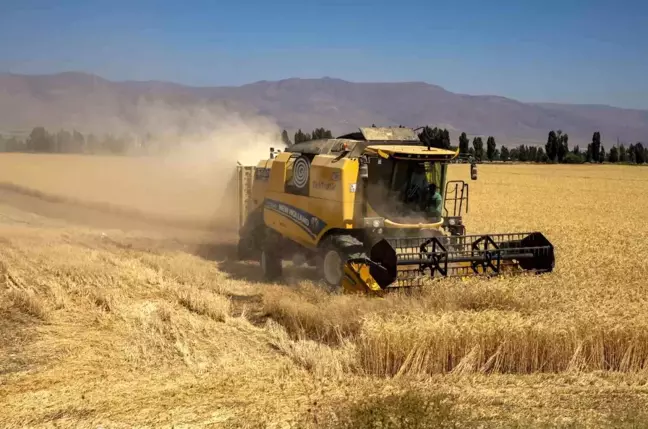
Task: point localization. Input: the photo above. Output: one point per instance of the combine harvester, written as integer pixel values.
(373, 211)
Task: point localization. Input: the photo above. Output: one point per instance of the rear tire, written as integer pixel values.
(270, 265)
(242, 251)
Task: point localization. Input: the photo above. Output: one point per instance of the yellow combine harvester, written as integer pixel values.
(372, 211)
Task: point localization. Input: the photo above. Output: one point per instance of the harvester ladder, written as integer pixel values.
(456, 196)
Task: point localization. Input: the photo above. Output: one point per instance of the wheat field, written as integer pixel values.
(114, 320)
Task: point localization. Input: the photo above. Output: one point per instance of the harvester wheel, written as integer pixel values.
(334, 253)
(242, 252)
(271, 265)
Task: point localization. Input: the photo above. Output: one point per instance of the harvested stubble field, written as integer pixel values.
(111, 320)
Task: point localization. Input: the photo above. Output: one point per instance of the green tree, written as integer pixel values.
(523, 153)
(14, 144)
(40, 140)
(428, 137)
(596, 146)
(572, 158)
(445, 139)
(640, 153)
(562, 148)
(490, 148)
(78, 141)
(504, 155)
(589, 155)
(478, 146)
(532, 154)
(631, 154)
(601, 156)
(623, 153)
(301, 137)
(321, 133)
(285, 139)
(614, 154)
(298, 137)
(551, 147)
(541, 156)
(435, 137)
(464, 143)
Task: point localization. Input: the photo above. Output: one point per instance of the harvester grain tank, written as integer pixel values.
(372, 211)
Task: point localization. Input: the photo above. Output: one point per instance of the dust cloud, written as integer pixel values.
(201, 148)
(207, 144)
(179, 168)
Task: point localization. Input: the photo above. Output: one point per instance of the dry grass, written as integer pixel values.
(309, 312)
(25, 301)
(215, 306)
(131, 328)
(585, 316)
(494, 341)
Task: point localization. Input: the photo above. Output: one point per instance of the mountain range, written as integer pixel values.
(90, 103)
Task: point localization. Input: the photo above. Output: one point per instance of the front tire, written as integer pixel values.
(332, 267)
(334, 254)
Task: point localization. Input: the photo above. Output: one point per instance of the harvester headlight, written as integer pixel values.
(452, 222)
(374, 222)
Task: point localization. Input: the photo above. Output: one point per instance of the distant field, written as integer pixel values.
(132, 329)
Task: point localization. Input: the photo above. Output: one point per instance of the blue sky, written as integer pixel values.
(565, 51)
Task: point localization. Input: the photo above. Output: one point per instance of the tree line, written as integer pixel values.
(64, 141)
(300, 136)
(556, 149)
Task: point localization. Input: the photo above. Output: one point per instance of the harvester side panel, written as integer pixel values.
(305, 219)
(332, 179)
(303, 211)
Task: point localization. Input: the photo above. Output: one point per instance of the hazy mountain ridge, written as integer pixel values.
(88, 102)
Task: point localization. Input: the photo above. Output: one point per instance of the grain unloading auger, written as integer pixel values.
(373, 211)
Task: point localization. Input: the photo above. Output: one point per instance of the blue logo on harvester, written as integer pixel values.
(308, 222)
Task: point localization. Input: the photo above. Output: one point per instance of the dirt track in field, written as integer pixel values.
(95, 214)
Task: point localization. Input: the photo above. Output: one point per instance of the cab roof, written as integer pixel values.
(397, 142)
(376, 134)
(409, 151)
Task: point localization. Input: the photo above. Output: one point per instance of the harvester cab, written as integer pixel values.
(373, 211)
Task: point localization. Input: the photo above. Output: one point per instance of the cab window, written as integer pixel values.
(399, 189)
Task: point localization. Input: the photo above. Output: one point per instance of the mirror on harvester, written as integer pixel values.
(473, 171)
